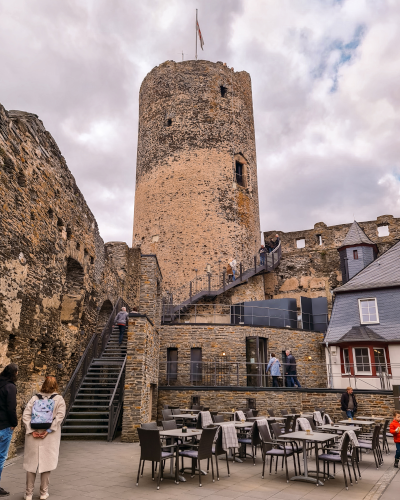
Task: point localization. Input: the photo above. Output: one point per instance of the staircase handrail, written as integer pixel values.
(91, 352)
(113, 416)
(205, 277)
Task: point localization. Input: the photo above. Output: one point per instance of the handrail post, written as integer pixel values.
(255, 263)
(241, 272)
(190, 293)
(223, 280)
(215, 373)
(272, 260)
(209, 282)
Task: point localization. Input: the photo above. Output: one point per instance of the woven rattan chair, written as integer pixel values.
(201, 451)
(252, 439)
(218, 450)
(218, 418)
(152, 451)
(167, 414)
(373, 445)
(338, 458)
(273, 449)
(292, 446)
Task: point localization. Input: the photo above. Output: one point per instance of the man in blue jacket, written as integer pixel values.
(275, 367)
(8, 413)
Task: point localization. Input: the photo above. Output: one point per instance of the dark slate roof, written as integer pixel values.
(356, 236)
(381, 273)
(361, 334)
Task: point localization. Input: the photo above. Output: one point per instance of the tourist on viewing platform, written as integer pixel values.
(277, 241)
(232, 263)
(8, 413)
(275, 367)
(291, 371)
(121, 320)
(269, 246)
(45, 412)
(262, 253)
(395, 430)
(349, 403)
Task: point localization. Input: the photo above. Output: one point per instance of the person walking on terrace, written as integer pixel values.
(291, 370)
(262, 253)
(45, 412)
(349, 403)
(121, 321)
(232, 263)
(8, 413)
(275, 367)
(395, 430)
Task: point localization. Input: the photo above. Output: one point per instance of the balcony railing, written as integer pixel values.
(240, 314)
(224, 373)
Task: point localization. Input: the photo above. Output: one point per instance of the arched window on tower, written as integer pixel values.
(73, 293)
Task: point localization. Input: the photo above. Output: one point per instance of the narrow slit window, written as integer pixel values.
(169, 122)
(319, 239)
(224, 91)
(239, 173)
(346, 360)
(355, 254)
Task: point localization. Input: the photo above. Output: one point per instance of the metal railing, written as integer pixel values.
(240, 314)
(221, 279)
(222, 372)
(94, 349)
(116, 402)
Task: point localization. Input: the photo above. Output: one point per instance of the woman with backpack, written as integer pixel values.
(42, 417)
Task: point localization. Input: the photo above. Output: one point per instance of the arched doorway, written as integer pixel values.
(104, 313)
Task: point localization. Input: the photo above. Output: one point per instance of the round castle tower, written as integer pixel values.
(196, 196)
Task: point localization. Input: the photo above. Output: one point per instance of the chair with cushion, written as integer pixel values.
(249, 414)
(338, 458)
(149, 425)
(271, 413)
(252, 438)
(167, 414)
(218, 418)
(384, 436)
(169, 425)
(271, 448)
(217, 451)
(152, 451)
(293, 410)
(373, 445)
(197, 407)
(284, 413)
(291, 446)
(288, 422)
(201, 451)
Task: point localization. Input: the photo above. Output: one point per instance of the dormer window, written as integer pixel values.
(368, 311)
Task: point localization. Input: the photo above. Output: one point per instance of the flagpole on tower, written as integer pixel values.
(196, 34)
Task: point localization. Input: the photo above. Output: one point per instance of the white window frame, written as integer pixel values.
(346, 372)
(300, 241)
(361, 316)
(384, 354)
(355, 361)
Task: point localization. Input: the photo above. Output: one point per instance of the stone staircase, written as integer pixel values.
(89, 415)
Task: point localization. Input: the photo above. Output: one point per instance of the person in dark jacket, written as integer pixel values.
(121, 320)
(349, 403)
(8, 413)
(291, 370)
(262, 253)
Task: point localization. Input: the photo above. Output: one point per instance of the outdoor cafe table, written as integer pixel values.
(252, 419)
(314, 437)
(185, 416)
(188, 410)
(356, 422)
(370, 418)
(335, 428)
(178, 434)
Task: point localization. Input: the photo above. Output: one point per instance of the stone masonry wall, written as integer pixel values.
(302, 401)
(314, 271)
(141, 377)
(189, 209)
(55, 276)
(214, 340)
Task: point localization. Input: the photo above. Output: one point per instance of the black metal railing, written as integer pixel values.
(116, 402)
(222, 372)
(240, 314)
(221, 280)
(94, 349)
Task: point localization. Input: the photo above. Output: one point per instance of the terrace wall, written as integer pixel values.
(370, 403)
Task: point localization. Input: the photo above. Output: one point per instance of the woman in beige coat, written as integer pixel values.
(42, 446)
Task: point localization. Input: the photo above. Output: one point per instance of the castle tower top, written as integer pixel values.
(196, 197)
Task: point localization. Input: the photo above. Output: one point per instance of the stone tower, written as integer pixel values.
(356, 252)
(196, 178)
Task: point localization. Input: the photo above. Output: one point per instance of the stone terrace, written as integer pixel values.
(108, 470)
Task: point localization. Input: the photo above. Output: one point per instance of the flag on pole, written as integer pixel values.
(200, 35)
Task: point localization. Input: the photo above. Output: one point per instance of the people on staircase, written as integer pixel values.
(262, 253)
(8, 413)
(121, 320)
(42, 417)
(233, 265)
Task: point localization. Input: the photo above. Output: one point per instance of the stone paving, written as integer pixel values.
(96, 469)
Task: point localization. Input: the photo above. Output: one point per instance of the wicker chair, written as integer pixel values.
(271, 448)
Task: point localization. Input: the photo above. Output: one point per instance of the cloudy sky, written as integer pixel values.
(326, 92)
